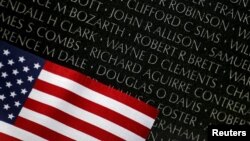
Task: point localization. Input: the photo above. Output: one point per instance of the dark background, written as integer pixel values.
(158, 133)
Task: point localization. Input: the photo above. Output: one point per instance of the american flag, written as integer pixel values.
(40, 100)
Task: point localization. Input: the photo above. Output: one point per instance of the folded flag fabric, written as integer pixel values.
(40, 100)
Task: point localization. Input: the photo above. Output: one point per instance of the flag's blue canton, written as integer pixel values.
(18, 72)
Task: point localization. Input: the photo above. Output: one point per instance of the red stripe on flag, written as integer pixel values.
(4, 137)
(70, 120)
(101, 88)
(39, 130)
(92, 107)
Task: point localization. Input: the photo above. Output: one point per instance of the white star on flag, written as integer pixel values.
(21, 59)
(15, 72)
(11, 62)
(6, 52)
(19, 81)
(23, 91)
(1, 65)
(37, 66)
(17, 103)
(11, 116)
(26, 69)
(8, 84)
(6, 107)
(30, 78)
(2, 97)
(13, 94)
(4, 74)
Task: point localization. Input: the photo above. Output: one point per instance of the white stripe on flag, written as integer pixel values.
(84, 115)
(96, 97)
(55, 125)
(18, 133)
